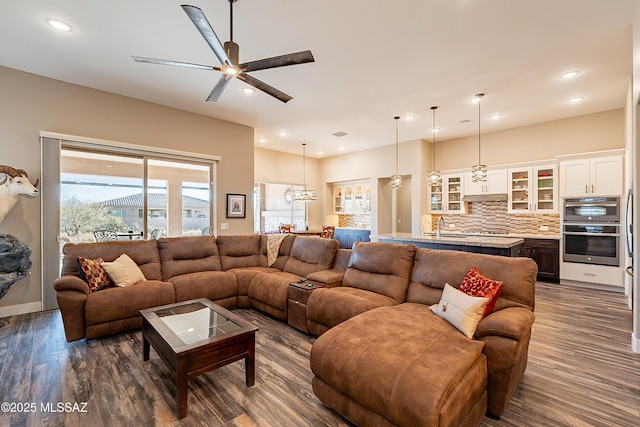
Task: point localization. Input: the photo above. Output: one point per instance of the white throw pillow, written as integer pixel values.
(124, 271)
(461, 310)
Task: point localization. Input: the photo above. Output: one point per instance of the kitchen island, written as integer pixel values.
(505, 246)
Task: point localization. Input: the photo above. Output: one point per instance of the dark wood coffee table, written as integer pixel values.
(197, 336)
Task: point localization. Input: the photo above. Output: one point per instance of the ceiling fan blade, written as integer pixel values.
(278, 61)
(219, 88)
(174, 63)
(260, 85)
(200, 21)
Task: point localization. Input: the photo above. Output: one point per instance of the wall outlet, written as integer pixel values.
(452, 226)
(544, 228)
(224, 226)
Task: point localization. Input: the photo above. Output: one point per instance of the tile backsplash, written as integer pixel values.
(492, 217)
(355, 221)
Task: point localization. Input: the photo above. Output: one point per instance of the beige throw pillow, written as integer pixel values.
(124, 271)
(461, 310)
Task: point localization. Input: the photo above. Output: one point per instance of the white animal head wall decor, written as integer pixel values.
(13, 184)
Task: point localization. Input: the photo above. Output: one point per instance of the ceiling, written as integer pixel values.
(374, 60)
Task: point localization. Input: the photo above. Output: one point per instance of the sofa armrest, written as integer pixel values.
(513, 322)
(71, 283)
(328, 278)
(72, 293)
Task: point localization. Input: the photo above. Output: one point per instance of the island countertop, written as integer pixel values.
(452, 239)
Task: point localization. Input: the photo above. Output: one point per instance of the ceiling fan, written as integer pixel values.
(228, 55)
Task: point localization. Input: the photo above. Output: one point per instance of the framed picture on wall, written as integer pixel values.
(236, 205)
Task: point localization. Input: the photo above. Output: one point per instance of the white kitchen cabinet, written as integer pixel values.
(496, 183)
(533, 189)
(446, 197)
(362, 198)
(597, 176)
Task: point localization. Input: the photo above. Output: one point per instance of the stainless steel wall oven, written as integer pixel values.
(591, 231)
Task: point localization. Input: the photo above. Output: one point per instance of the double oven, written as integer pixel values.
(591, 230)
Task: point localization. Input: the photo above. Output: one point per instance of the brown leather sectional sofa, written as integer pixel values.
(382, 357)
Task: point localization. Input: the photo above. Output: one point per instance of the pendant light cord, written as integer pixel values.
(304, 162)
(397, 146)
(433, 136)
(479, 96)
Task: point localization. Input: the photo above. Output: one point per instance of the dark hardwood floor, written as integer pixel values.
(581, 372)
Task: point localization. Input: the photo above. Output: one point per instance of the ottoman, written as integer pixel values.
(401, 365)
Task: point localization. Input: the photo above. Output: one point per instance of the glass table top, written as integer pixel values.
(195, 321)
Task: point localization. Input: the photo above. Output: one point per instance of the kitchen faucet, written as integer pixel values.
(440, 220)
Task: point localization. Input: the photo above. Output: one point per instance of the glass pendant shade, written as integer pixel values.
(396, 180)
(479, 171)
(305, 195)
(433, 176)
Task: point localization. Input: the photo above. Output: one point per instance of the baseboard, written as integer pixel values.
(13, 310)
(635, 343)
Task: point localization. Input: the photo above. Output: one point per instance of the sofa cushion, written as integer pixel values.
(311, 254)
(461, 310)
(384, 268)
(213, 285)
(283, 252)
(119, 303)
(433, 268)
(327, 307)
(123, 271)
(184, 255)
(477, 285)
(269, 292)
(93, 273)
(239, 251)
(143, 252)
(408, 367)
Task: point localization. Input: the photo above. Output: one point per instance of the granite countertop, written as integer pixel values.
(456, 239)
(555, 236)
(353, 228)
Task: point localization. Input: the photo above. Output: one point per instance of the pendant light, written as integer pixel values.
(433, 176)
(305, 195)
(479, 171)
(396, 180)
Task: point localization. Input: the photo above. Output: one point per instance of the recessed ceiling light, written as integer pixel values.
(248, 90)
(575, 100)
(435, 130)
(319, 153)
(496, 116)
(58, 24)
(569, 75)
(342, 148)
(410, 118)
(262, 140)
(283, 133)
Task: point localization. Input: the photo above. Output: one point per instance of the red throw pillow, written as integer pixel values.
(477, 285)
(94, 274)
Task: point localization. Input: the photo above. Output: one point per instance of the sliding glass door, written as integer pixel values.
(124, 197)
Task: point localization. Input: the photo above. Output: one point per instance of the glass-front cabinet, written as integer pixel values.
(352, 198)
(362, 198)
(533, 189)
(447, 195)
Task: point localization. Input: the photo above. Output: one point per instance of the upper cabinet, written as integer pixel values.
(446, 197)
(597, 176)
(533, 189)
(352, 198)
(496, 183)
